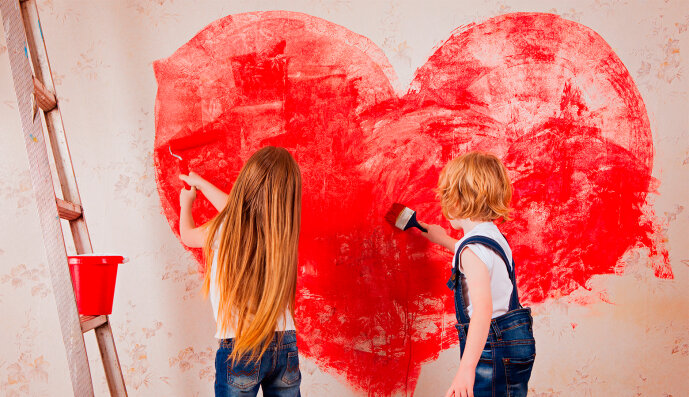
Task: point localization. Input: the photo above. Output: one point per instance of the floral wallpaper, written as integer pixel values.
(622, 333)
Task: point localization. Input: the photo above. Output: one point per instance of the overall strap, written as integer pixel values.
(495, 246)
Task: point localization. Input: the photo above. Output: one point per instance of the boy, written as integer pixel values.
(495, 331)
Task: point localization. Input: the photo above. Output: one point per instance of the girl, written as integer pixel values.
(495, 331)
(251, 255)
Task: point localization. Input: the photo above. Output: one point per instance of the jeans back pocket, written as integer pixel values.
(291, 374)
(244, 373)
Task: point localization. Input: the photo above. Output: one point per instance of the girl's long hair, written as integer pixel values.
(257, 237)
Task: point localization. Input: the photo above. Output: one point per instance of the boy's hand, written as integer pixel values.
(462, 384)
(436, 233)
(193, 179)
(187, 197)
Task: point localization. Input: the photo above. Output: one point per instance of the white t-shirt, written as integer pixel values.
(285, 322)
(500, 284)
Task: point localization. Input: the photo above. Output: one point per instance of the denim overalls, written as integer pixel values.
(505, 365)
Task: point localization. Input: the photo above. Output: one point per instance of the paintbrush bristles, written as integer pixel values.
(403, 217)
(394, 213)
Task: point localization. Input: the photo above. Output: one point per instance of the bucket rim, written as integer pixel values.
(95, 259)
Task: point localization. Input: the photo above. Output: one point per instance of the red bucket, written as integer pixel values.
(93, 279)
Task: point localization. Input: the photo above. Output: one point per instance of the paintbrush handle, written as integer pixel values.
(413, 222)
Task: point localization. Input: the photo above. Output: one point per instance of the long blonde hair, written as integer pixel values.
(257, 238)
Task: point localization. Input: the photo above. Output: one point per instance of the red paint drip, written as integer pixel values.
(547, 95)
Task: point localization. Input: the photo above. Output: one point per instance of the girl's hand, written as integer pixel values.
(193, 179)
(187, 197)
(436, 233)
(462, 384)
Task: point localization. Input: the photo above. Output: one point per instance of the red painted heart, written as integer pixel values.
(547, 95)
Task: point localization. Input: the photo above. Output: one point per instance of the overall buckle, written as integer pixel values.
(452, 282)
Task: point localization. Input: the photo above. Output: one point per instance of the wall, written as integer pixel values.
(626, 301)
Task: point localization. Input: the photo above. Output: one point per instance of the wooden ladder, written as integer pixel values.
(34, 86)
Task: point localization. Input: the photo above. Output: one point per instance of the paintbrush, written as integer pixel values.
(177, 145)
(403, 218)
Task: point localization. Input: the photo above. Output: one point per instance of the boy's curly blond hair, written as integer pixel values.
(475, 186)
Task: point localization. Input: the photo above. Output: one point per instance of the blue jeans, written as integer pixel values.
(505, 365)
(276, 372)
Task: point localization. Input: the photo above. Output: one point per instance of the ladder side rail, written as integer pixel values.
(111, 363)
(65, 170)
(55, 126)
(41, 180)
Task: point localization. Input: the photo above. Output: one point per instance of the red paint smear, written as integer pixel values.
(547, 95)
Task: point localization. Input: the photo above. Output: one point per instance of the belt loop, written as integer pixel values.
(496, 330)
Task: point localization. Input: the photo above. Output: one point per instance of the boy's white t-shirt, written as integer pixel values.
(500, 284)
(285, 322)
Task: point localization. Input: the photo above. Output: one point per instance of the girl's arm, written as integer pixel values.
(216, 196)
(190, 235)
(478, 282)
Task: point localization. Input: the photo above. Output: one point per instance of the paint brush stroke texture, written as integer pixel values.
(547, 95)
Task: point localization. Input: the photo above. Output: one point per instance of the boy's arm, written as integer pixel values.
(216, 196)
(478, 283)
(436, 234)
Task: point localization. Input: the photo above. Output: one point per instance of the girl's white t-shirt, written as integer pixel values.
(285, 322)
(500, 284)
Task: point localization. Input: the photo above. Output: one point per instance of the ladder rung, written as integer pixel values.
(90, 322)
(46, 100)
(68, 210)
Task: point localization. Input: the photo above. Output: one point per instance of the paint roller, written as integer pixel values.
(187, 142)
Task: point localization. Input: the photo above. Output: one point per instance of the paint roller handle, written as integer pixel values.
(184, 170)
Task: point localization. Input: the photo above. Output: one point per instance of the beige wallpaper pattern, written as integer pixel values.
(630, 339)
